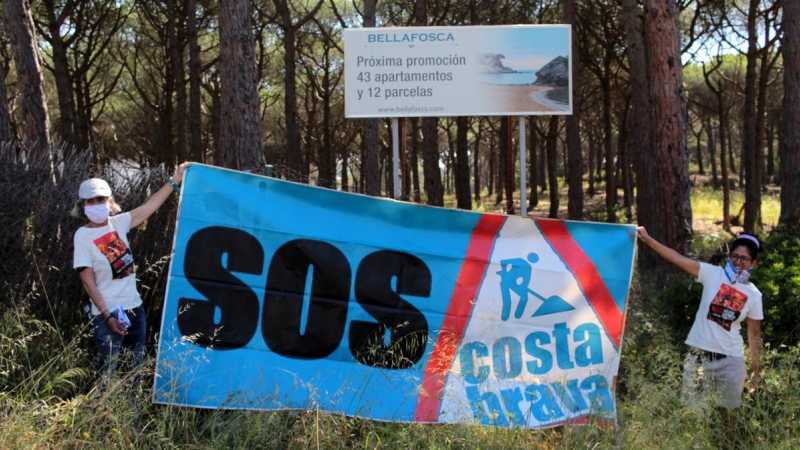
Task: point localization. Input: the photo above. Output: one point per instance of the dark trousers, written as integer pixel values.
(109, 346)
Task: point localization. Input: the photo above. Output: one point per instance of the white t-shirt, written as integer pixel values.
(718, 323)
(106, 251)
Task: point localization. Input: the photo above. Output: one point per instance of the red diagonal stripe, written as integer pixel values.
(458, 312)
(589, 279)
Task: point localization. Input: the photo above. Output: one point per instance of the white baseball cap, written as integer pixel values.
(94, 187)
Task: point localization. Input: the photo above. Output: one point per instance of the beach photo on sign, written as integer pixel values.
(527, 70)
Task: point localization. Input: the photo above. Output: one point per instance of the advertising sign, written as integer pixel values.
(458, 71)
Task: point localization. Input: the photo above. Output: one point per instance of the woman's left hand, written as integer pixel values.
(178, 176)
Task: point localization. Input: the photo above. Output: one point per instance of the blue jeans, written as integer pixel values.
(109, 346)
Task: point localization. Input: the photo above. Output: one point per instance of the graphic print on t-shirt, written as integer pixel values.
(726, 306)
(118, 253)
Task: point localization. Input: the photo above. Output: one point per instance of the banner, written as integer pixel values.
(458, 71)
(289, 296)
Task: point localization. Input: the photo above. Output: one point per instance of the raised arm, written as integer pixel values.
(688, 265)
(155, 201)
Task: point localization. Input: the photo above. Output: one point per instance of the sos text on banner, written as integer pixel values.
(289, 296)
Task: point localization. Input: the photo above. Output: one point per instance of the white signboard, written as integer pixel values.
(458, 71)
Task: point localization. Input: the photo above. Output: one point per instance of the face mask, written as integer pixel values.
(97, 213)
(736, 276)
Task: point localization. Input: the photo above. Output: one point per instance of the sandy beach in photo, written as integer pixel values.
(519, 98)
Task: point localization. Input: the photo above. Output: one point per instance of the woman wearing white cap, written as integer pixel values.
(715, 361)
(105, 264)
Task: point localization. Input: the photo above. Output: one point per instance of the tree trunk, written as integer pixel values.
(370, 166)
(625, 166)
(543, 161)
(63, 79)
(507, 161)
(476, 169)
(699, 152)
(591, 157)
(327, 159)
(6, 135)
(761, 113)
(712, 153)
(434, 190)
(215, 122)
(639, 137)
(750, 164)
(166, 113)
(723, 163)
(387, 159)
(430, 133)
(552, 162)
(414, 159)
(731, 155)
(240, 121)
(449, 158)
(608, 147)
(294, 150)
(670, 219)
(405, 173)
(19, 26)
(770, 168)
(176, 60)
(500, 164)
(574, 153)
(491, 158)
(345, 168)
(463, 197)
(790, 148)
(195, 70)
(533, 171)
(718, 90)
(310, 106)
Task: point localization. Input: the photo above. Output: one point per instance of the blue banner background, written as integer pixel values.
(276, 212)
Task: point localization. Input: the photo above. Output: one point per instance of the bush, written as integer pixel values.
(36, 196)
(777, 276)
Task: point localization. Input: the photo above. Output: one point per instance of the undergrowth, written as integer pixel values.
(49, 401)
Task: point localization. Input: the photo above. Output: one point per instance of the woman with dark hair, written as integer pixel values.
(715, 361)
(104, 262)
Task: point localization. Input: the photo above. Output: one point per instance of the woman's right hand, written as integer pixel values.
(115, 326)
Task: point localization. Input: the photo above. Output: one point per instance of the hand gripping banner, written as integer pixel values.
(288, 296)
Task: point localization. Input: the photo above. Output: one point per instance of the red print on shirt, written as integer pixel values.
(118, 253)
(726, 306)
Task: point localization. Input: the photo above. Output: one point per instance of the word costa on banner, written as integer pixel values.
(508, 354)
(228, 317)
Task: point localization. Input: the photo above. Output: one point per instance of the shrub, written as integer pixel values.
(777, 276)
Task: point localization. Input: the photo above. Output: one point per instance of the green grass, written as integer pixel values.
(47, 399)
(707, 206)
(72, 414)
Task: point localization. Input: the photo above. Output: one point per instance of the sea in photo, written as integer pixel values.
(558, 95)
(508, 79)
